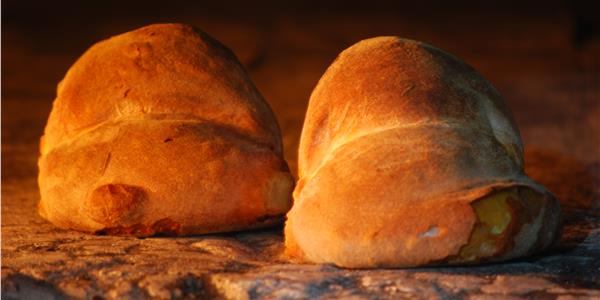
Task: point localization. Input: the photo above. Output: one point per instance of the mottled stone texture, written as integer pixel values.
(41, 261)
(548, 74)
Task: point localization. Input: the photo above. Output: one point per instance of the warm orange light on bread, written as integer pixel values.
(160, 131)
(409, 157)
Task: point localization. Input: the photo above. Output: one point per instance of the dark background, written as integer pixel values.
(543, 56)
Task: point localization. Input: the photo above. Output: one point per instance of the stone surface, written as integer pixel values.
(41, 261)
(550, 82)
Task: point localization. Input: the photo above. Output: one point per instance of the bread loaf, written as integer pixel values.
(160, 131)
(409, 157)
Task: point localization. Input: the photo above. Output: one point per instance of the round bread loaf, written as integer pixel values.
(160, 131)
(409, 157)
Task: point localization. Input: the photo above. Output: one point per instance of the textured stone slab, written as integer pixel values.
(42, 261)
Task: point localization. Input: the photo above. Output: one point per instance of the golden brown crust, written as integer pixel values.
(160, 130)
(114, 204)
(388, 82)
(171, 69)
(399, 139)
